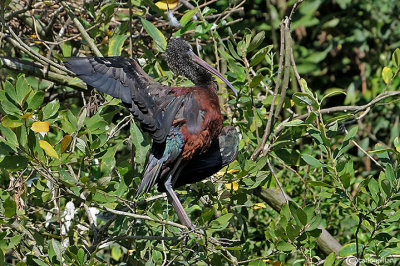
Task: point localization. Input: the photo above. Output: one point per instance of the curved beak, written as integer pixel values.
(212, 70)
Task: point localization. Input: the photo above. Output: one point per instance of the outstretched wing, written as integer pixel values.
(151, 103)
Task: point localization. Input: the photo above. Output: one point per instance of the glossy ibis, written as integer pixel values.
(189, 143)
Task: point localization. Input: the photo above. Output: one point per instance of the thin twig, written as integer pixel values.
(271, 109)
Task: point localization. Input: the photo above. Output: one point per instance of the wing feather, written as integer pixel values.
(123, 78)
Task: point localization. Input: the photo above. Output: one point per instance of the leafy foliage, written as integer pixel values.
(70, 160)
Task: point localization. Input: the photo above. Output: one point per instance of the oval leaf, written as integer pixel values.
(116, 44)
(234, 186)
(154, 33)
(65, 142)
(40, 126)
(167, 4)
(188, 15)
(260, 205)
(303, 99)
(50, 151)
(311, 160)
(349, 249)
(396, 57)
(11, 121)
(387, 74)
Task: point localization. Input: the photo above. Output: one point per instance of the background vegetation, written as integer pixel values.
(316, 179)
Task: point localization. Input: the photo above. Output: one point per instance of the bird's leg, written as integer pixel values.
(180, 211)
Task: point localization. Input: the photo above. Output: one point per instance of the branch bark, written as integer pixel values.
(36, 70)
(275, 198)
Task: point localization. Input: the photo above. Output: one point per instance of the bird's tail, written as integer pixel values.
(150, 174)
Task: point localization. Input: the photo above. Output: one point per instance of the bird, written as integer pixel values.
(189, 142)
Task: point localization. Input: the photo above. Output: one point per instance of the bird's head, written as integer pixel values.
(182, 60)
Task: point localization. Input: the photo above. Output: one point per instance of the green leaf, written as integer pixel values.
(304, 99)
(396, 143)
(66, 177)
(14, 240)
(10, 91)
(10, 207)
(66, 48)
(50, 109)
(2, 259)
(224, 54)
(294, 123)
(351, 134)
(154, 33)
(259, 56)
(22, 89)
(311, 160)
(188, 15)
(116, 253)
(333, 92)
(81, 256)
(396, 58)
(9, 107)
(349, 249)
(345, 180)
(256, 41)
(285, 246)
(256, 80)
(11, 121)
(55, 249)
(302, 216)
(315, 222)
(14, 162)
(395, 217)
(40, 262)
(96, 124)
(386, 187)
(222, 222)
(10, 137)
(387, 74)
(330, 259)
(141, 146)
(373, 188)
(116, 44)
(233, 51)
(35, 100)
(389, 173)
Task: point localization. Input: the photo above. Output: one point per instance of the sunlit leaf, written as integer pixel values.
(387, 74)
(260, 205)
(116, 44)
(188, 15)
(27, 116)
(40, 126)
(167, 4)
(48, 148)
(232, 186)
